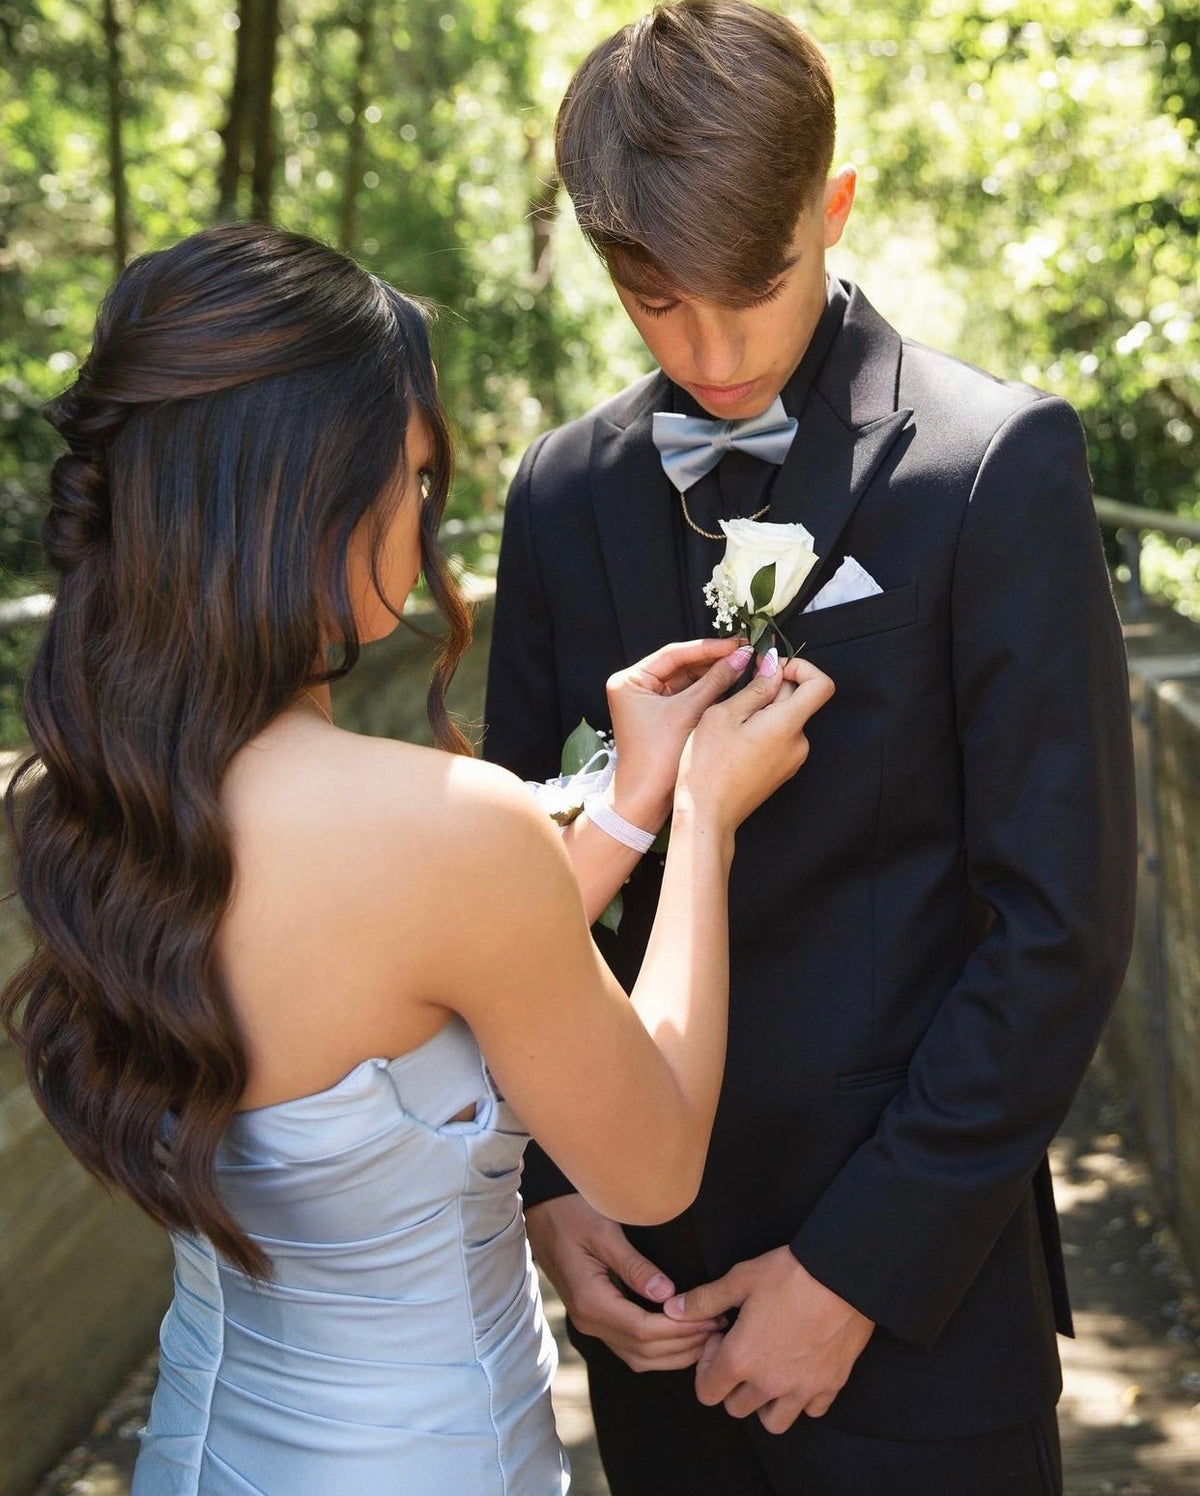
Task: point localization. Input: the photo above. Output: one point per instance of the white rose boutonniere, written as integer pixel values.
(763, 569)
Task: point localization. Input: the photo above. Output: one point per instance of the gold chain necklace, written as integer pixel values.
(708, 534)
(316, 701)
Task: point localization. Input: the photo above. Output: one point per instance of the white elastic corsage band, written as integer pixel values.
(562, 798)
(569, 795)
(601, 814)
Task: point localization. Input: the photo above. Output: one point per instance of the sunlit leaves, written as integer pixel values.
(1035, 145)
(1029, 195)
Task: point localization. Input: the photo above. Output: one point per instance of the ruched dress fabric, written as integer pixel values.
(401, 1348)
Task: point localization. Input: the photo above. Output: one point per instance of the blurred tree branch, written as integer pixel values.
(356, 131)
(116, 144)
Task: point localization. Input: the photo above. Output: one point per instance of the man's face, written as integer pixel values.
(734, 361)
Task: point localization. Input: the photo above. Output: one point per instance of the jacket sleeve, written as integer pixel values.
(521, 712)
(1042, 702)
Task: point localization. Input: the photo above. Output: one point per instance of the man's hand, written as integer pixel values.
(793, 1346)
(579, 1248)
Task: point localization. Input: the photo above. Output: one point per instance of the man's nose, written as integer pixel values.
(718, 345)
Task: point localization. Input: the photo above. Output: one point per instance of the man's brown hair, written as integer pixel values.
(689, 143)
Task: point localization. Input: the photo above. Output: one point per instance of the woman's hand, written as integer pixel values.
(655, 704)
(745, 748)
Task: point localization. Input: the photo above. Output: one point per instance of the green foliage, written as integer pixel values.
(1171, 570)
(1029, 198)
(1032, 182)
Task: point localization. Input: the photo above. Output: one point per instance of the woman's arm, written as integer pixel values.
(621, 1092)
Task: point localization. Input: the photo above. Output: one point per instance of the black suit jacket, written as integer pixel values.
(930, 922)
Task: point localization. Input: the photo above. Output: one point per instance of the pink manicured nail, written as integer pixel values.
(659, 1287)
(740, 658)
(769, 663)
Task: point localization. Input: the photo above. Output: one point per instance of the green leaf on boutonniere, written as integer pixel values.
(762, 588)
(792, 649)
(611, 917)
(583, 744)
(759, 628)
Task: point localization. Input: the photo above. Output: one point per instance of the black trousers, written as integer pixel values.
(657, 1440)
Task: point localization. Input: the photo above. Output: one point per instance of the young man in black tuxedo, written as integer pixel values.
(929, 924)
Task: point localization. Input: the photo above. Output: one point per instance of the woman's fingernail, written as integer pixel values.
(769, 663)
(740, 658)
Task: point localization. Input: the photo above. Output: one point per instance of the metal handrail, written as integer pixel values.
(1134, 517)
(1131, 519)
(1131, 522)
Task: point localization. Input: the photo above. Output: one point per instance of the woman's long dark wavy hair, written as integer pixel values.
(242, 412)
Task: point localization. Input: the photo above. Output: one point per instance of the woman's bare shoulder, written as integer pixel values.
(376, 795)
(407, 781)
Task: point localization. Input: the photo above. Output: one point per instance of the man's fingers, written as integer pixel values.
(708, 1301)
(638, 1359)
(651, 1329)
(743, 1400)
(778, 1416)
(654, 1352)
(819, 1406)
(714, 1378)
(606, 1312)
(634, 1270)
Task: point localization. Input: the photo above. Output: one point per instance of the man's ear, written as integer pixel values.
(839, 199)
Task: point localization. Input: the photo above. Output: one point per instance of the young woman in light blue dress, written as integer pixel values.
(303, 994)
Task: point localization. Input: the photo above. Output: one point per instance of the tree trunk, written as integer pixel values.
(543, 214)
(263, 115)
(116, 144)
(356, 136)
(237, 123)
(543, 334)
(249, 132)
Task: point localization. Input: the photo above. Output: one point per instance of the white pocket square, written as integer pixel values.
(848, 583)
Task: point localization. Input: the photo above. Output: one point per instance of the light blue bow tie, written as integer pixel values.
(691, 446)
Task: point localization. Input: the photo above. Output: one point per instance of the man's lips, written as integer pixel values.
(724, 394)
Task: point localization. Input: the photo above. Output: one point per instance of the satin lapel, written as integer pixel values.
(632, 500)
(847, 427)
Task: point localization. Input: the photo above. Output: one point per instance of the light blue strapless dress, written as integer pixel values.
(400, 1349)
